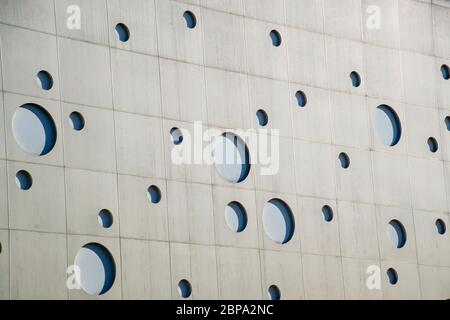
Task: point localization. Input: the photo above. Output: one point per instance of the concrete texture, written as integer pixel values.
(131, 94)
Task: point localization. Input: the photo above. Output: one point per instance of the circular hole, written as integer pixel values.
(191, 20)
(278, 221)
(432, 145)
(275, 36)
(387, 125)
(445, 70)
(154, 194)
(396, 233)
(327, 213)
(76, 121)
(123, 33)
(440, 226)
(261, 115)
(0, 247)
(274, 292)
(301, 98)
(184, 288)
(231, 157)
(45, 80)
(447, 123)
(33, 129)
(344, 160)
(105, 218)
(176, 136)
(24, 181)
(392, 276)
(95, 269)
(236, 216)
(356, 79)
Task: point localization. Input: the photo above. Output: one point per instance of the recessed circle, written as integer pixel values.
(344, 160)
(356, 79)
(105, 218)
(275, 36)
(396, 233)
(301, 98)
(235, 216)
(231, 157)
(95, 269)
(392, 276)
(191, 20)
(184, 288)
(262, 117)
(76, 121)
(176, 135)
(0, 247)
(45, 80)
(440, 226)
(432, 144)
(387, 125)
(154, 194)
(445, 70)
(278, 221)
(274, 292)
(122, 32)
(24, 181)
(327, 213)
(33, 129)
(447, 123)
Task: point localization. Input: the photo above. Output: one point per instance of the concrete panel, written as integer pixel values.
(318, 236)
(2, 128)
(93, 20)
(84, 66)
(42, 207)
(20, 68)
(408, 285)
(231, 6)
(38, 265)
(75, 242)
(183, 91)
(355, 279)
(4, 265)
(239, 273)
(357, 225)
(136, 138)
(190, 212)
(343, 18)
(145, 269)
(434, 282)
(14, 152)
(323, 277)
(140, 19)
(83, 207)
(441, 25)
(310, 11)
(33, 14)
(284, 270)
(4, 219)
(175, 40)
(139, 217)
(416, 25)
(267, 10)
(92, 148)
(136, 83)
(224, 41)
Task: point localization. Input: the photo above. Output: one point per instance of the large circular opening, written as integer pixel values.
(387, 125)
(278, 221)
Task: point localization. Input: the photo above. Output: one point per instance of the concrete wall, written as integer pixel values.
(221, 72)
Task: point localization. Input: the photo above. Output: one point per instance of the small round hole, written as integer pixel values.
(344, 160)
(327, 213)
(301, 98)
(356, 79)
(45, 80)
(440, 226)
(392, 276)
(235, 216)
(76, 121)
(447, 123)
(445, 70)
(184, 288)
(154, 194)
(274, 292)
(432, 145)
(176, 136)
(0, 247)
(276, 38)
(123, 33)
(23, 180)
(105, 218)
(191, 20)
(261, 115)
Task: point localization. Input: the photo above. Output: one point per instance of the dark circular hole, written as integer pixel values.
(24, 181)
(45, 80)
(356, 79)
(397, 233)
(432, 145)
(176, 135)
(262, 117)
(344, 160)
(77, 121)
(154, 194)
(105, 218)
(184, 288)
(275, 36)
(191, 20)
(447, 123)
(301, 98)
(123, 33)
(392, 276)
(274, 293)
(327, 213)
(440, 226)
(445, 70)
